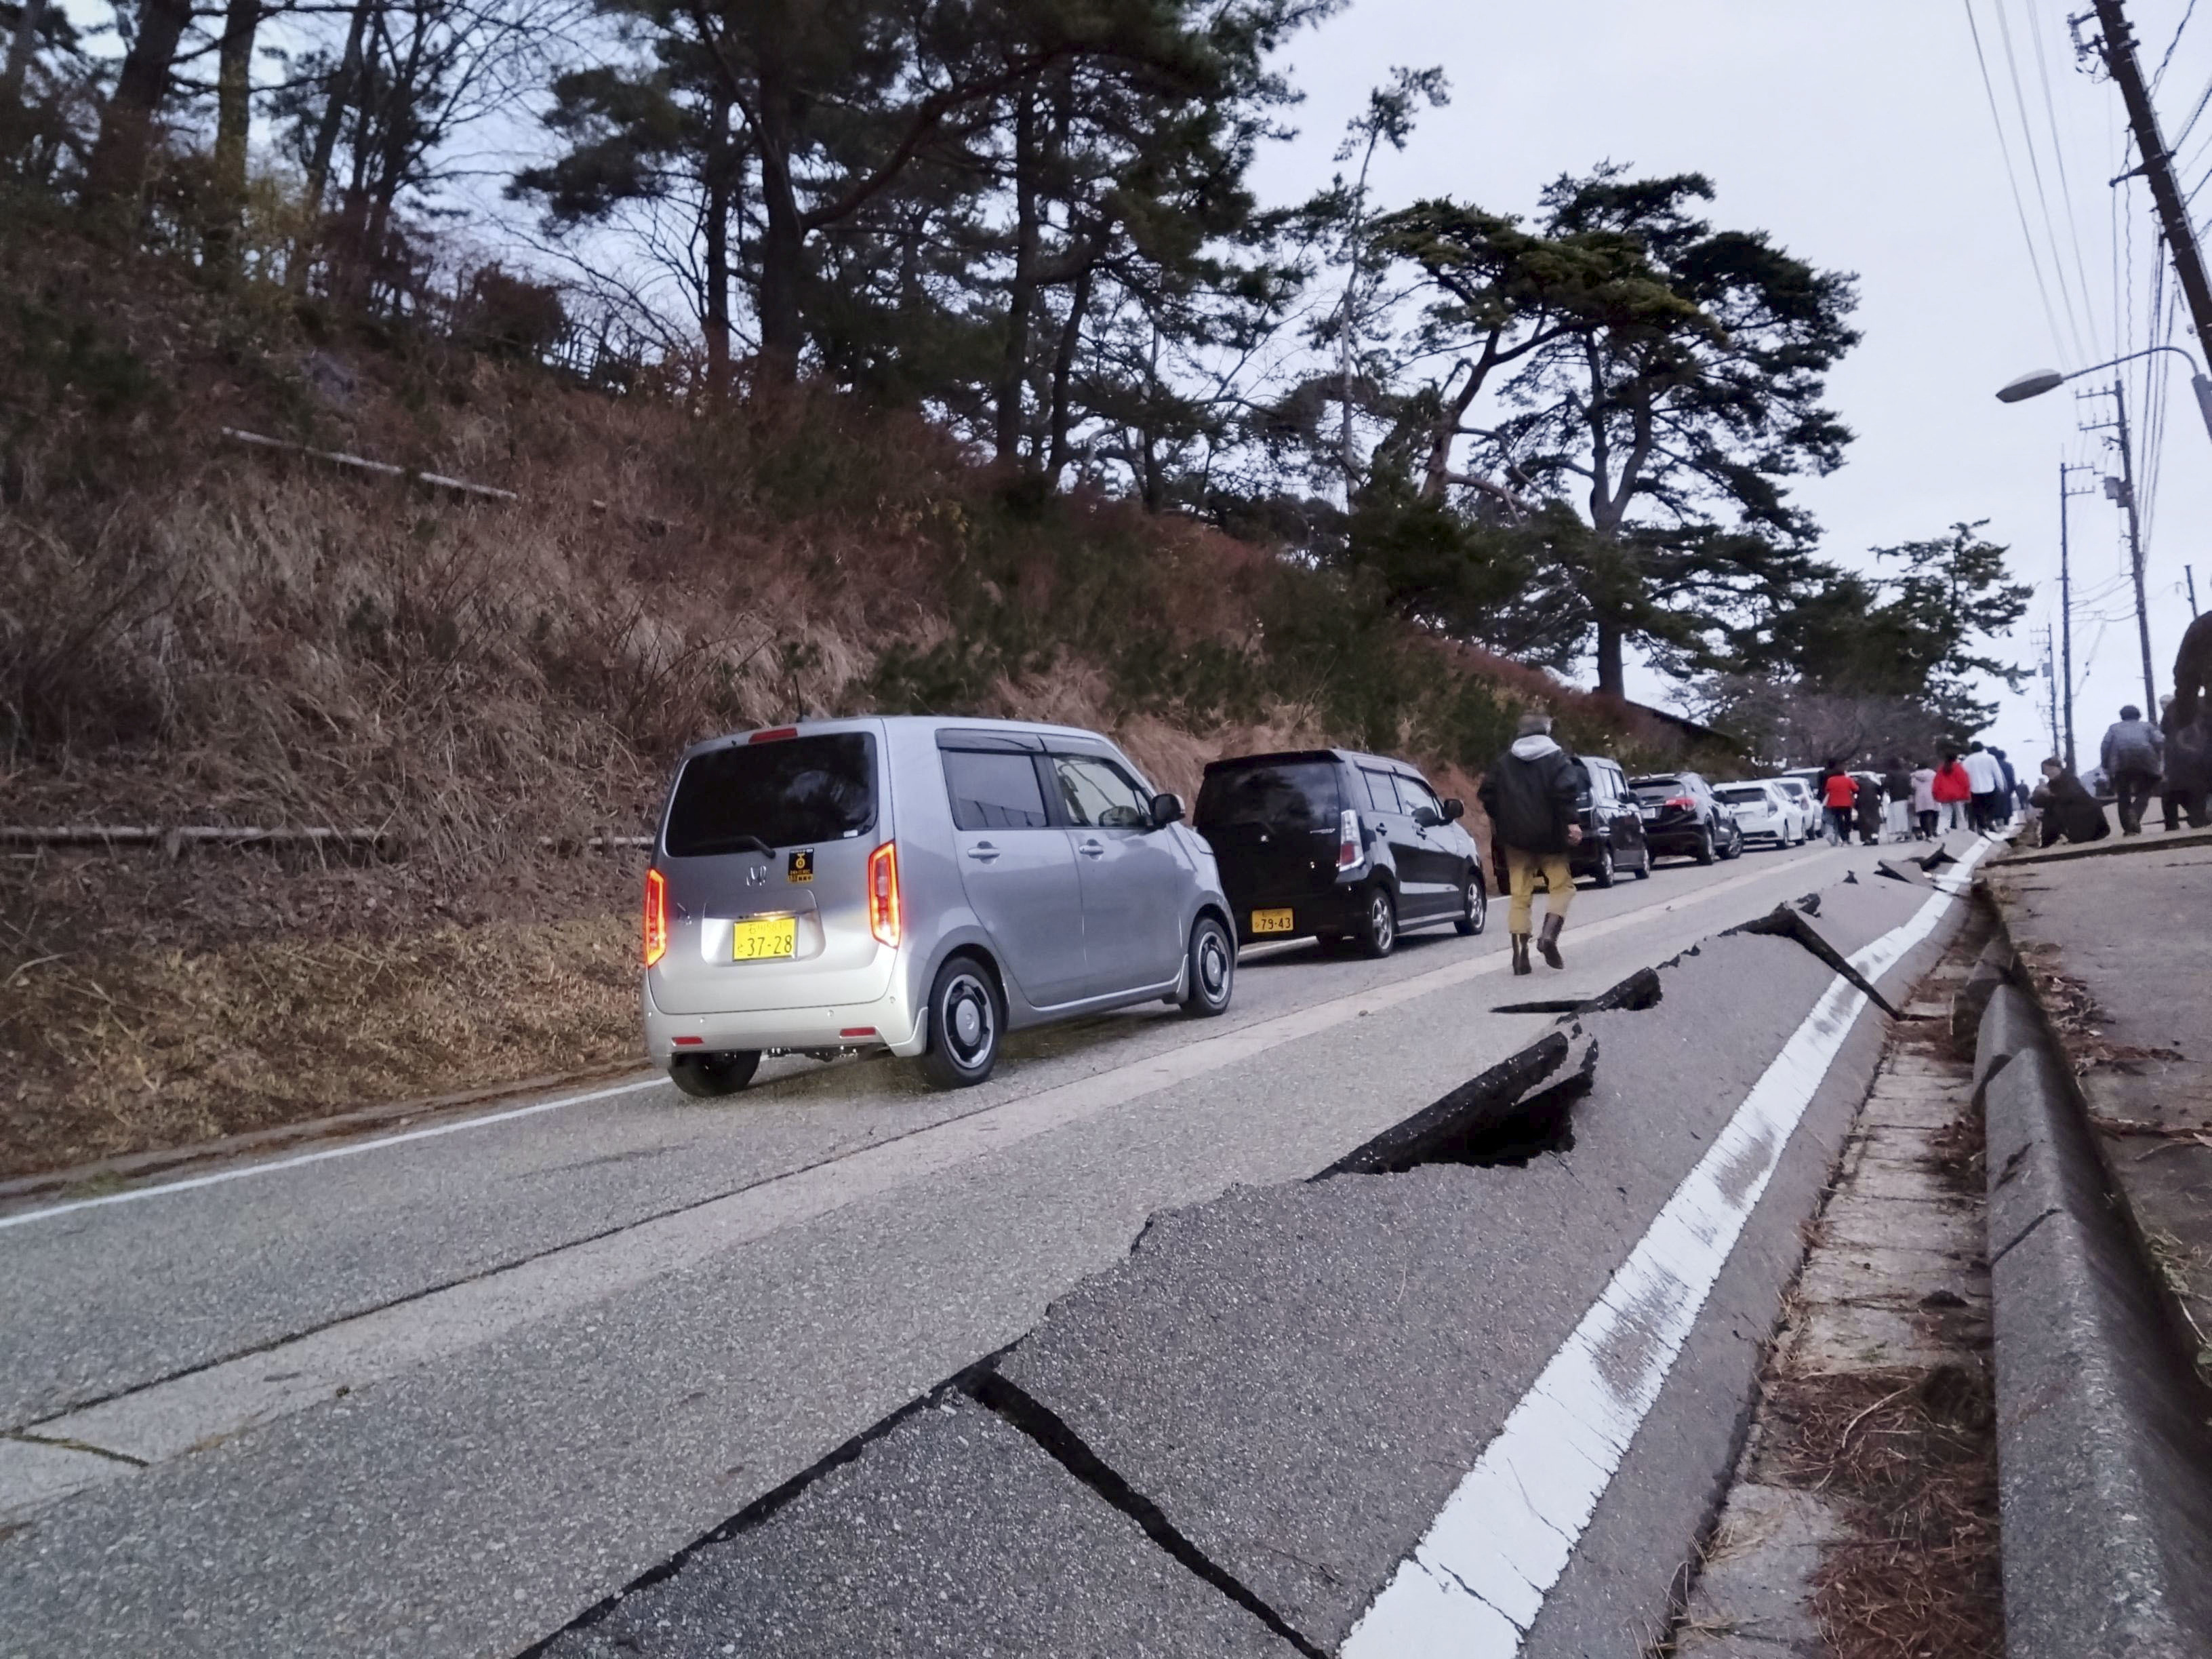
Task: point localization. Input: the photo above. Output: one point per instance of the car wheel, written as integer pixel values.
(1605, 866)
(965, 1022)
(1211, 967)
(1704, 852)
(1474, 909)
(709, 1077)
(1378, 928)
(1733, 844)
(1643, 870)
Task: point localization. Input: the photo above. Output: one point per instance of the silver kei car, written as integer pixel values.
(919, 884)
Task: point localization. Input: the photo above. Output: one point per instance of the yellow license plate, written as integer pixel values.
(1271, 921)
(764, 937)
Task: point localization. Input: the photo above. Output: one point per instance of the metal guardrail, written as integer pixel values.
(174, 840)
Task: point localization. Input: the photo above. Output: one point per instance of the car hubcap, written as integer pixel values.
(968, 1020)
(1212, 966)
(1380, 919)
(1473, 900)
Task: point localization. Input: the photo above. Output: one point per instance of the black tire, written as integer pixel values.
(1705, 853)
(1210, 964)
(1378, 924)
(1605, 872)
(710, 1077)
(1732, 847)
(1474, 908)
(967, 1020)
(1643, 870)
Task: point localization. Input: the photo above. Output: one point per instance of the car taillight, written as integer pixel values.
(1685, 801)
(656, 916)
(1347, 840)
(885, 919)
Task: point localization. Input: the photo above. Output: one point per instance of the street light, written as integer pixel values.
(2034, 385)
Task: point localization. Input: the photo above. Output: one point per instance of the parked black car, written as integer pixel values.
(1682, 817)
(1334, 844)
(1612, 823)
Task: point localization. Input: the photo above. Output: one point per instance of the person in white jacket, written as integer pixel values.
(1986, 776)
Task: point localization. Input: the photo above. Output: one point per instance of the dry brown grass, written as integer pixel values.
(147, 1050)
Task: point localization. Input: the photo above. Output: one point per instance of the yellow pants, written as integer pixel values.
(1522, 870)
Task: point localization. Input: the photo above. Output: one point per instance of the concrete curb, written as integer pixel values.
(2105, 1462)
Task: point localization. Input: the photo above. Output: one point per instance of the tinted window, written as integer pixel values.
(1098, 793)
(1382, 792)
(994, 792)
(1288, 799)
(1743, 795)
(1659, 788)
(791, 793)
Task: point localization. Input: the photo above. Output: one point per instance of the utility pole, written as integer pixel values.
(2116, 46)
(2049, 692)
(2123, 491)
(2066, 608)
(2190, 571)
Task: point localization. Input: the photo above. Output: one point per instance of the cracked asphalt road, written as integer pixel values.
(441, 1396)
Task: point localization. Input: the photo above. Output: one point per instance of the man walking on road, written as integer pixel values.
(1530, 793)
(1986, 778)
(2134, 756)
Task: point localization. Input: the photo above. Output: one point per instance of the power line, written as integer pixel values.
(2159, 74)
(2035, 171)
(2012, 177)
(2058, 156)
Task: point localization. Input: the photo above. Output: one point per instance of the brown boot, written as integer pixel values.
(1521, 954)
(1548, 941)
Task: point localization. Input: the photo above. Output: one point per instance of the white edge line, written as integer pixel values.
(238, 1172)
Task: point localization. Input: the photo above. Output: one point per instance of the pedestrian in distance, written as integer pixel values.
(1530, 793)
(1897, 800)
(1986, 778)
(1839, 795)
(2172, 799)
(1869, 807)
(2068, 811)
(1952, 790)
(2134, 757)
(1924, 800)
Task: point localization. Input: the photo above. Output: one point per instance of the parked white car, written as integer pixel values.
(1764, 811)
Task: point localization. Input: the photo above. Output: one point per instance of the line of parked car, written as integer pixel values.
(925, 886)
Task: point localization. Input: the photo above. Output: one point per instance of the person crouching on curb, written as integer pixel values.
(1530, 793)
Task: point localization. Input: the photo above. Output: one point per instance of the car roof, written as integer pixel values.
(1343, 756)
(928, 725)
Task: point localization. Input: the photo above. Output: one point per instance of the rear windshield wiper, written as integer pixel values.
(737, 844)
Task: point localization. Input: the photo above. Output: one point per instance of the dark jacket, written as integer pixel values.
(1530, 793)
(2135, 746)
(2069, 809)
(1897, 785)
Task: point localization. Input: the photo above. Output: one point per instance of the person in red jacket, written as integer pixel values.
(1953, 789)
(1839, 795)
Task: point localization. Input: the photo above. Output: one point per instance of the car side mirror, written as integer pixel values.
(1454, 809)
(1166, 809)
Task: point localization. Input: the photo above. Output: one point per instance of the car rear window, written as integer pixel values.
(993, 791)
(792, 793)
(1286, 798)
(1657, 788)
(1742, 795)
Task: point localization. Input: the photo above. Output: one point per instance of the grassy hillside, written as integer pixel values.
(193, 631)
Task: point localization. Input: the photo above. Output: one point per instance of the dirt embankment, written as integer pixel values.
(197, 631)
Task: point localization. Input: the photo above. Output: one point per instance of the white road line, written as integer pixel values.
(1475, 1584)
(1320, 1016)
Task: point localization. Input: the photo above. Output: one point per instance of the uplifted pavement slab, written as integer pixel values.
(1300, 1377)
(955, 1536)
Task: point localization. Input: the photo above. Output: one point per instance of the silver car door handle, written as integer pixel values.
(982, 851)
(1092, 849)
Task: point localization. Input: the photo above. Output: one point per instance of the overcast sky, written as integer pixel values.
(1861, 135)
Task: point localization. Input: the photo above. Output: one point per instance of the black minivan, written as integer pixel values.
(1333, 845)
